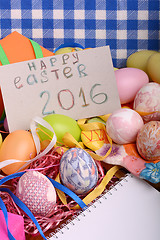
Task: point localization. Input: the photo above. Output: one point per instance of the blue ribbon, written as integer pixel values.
(25, 208)
(9, 177)
(54, 183)
(69, 193)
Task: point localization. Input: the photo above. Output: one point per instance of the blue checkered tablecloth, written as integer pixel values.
(127, 26)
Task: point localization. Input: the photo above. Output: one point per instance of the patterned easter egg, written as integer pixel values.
(123, 125)
(36, 191)
(78, 171)
(147, 102)
(148, 141)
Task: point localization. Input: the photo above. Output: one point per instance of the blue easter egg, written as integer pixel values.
(78, 171)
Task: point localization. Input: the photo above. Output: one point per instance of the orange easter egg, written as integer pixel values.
(17, 145)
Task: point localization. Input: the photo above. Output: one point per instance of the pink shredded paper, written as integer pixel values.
(49, 166)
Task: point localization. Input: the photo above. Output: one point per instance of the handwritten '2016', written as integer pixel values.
(92, 96)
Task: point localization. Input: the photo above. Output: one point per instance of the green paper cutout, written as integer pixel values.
(37, 49)
(3, 57)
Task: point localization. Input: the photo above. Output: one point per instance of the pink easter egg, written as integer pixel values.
(36, 191)
(129, 81)
(123, 125)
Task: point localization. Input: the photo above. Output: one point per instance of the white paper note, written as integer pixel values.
(79, 84)
(129, 211)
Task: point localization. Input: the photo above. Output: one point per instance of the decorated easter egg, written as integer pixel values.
(123, 125)
(148, 141)
(78, 171)
(18, 145)
(153, 68)
(129, 81)
(147, 102)
(139, 59)
(36, 191)
(94, 139)
(60, 124)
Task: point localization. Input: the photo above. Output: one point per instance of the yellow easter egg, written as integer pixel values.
(153, 67)
(17, 145)
(63, 50)
(139, 59)
(67, 50)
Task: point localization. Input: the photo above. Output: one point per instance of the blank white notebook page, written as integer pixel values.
(129, 211)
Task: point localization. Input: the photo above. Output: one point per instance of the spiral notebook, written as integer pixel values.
(128, 211)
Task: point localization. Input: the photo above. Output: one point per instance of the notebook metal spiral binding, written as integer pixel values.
(90, 206)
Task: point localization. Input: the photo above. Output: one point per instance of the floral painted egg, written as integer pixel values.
(148, 141)
(36, 191)
(123, 125)
(147, 102)
(78, 171)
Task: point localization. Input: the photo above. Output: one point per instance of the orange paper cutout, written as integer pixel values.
(18, 48)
